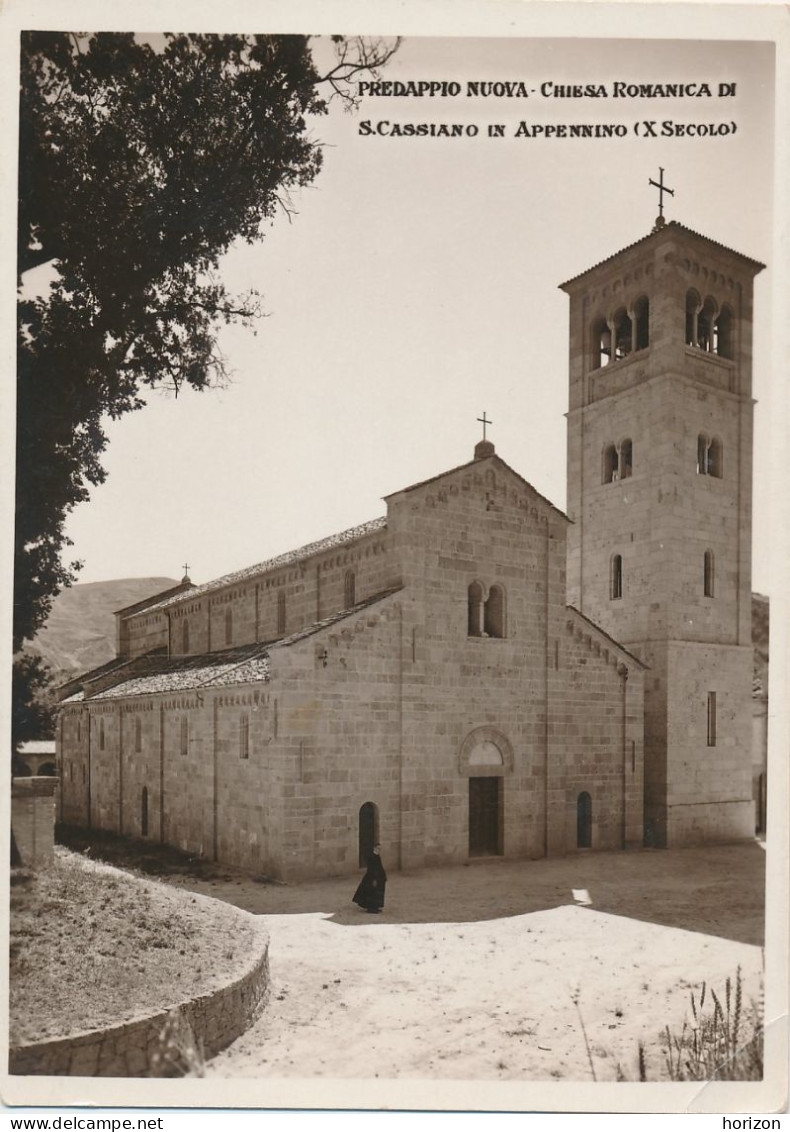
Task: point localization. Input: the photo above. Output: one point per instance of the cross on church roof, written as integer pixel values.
(662, 188)
(186, 567)
(484, 422)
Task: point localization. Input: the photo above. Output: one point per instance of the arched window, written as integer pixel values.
(705, 321)
(350, 587)
(47, 770)
(723, 334)
(244, 736)
(494, 613)
(475, 605)
(368, 830)
(623, 334)
(138, 734)
(626, 459)
(708, 578)
(281, 612)
(693, 304)
(144, 812)
(641, 323)
(228, 626)
(709, 456)
(616, 577)
(714, 458)
(584, 821)
(611, 464)
(184, 735)
(185, 637)
(602, 343)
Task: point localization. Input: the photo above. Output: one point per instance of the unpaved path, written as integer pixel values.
(471, 973)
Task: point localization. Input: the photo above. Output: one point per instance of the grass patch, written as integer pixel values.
(722, 1042)
(91, 946)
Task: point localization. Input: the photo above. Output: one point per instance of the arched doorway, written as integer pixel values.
(584, 821)
(368, 830)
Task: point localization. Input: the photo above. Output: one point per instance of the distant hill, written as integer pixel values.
(80, 631)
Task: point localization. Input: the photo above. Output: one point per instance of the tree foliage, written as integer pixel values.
(140, 163)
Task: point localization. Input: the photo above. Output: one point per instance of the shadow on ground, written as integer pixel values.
(718, 890)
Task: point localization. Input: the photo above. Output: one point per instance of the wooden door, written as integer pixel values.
(484, 817)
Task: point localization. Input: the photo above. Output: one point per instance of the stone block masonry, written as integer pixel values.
(33, 819)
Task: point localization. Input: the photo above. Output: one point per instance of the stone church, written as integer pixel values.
(475, 673)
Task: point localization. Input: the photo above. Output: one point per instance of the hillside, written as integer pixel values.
(80, 630)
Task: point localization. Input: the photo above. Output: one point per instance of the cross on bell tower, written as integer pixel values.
(662, 188)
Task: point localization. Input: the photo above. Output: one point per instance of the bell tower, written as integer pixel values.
(659, 491)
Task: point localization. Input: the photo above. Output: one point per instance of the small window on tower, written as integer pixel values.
(184, 735)
(642, 323)
(723, 334)
(281, 612)
(708, 573)
(693, 304)
(244, 736)
(228, 627)
(714, 458)
(602, 344)
(705, 321)
(626, 459)
(711, 719)
(138, 735)
(623, 330)
(185, 637)
(616, 577)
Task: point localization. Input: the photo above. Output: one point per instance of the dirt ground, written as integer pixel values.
(497, 970)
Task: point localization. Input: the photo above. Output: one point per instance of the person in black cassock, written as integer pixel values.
(370, 893)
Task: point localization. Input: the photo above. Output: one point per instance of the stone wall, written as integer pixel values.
(140, 1047)
(33, 819)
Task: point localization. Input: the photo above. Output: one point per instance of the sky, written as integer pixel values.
(417, 287)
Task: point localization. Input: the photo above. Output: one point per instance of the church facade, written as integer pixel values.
(474, 674)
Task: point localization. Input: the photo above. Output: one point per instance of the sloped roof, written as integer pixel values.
(186, 673)
(287, 559)
(672, 225)
(614, 643)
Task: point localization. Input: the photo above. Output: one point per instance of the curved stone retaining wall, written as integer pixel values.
(157, 1044)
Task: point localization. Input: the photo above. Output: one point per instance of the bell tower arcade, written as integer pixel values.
(659, 492)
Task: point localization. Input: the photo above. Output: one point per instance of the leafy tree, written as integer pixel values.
(140, 164)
